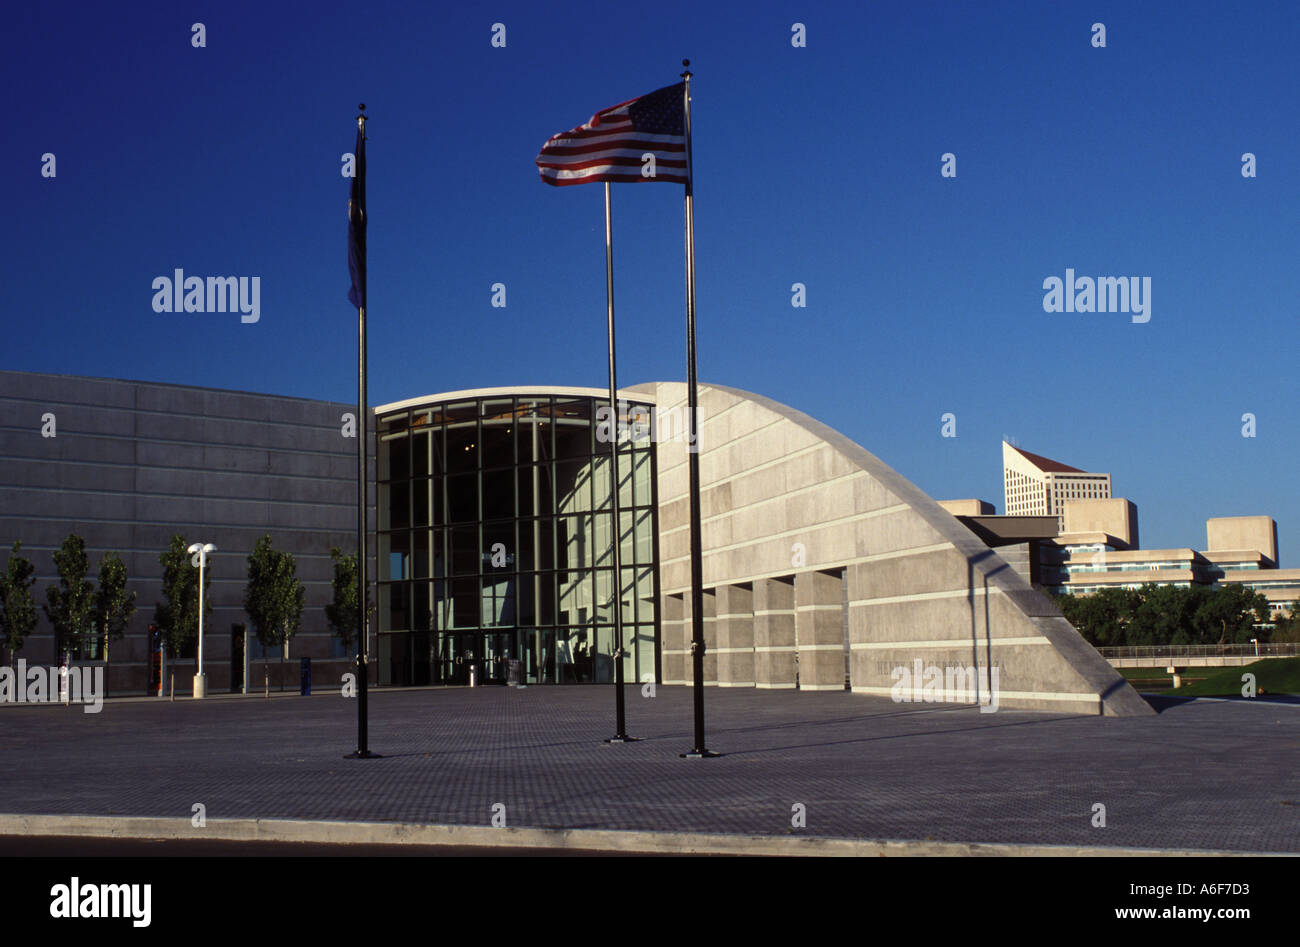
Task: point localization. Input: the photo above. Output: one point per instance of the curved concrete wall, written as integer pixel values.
(815, 550)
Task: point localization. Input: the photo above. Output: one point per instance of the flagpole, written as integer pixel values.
(693, 447)
(363, 645)
(620, 736)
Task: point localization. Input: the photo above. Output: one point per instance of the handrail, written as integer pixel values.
(1263, 649)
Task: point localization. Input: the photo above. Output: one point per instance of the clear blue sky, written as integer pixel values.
(817, 165)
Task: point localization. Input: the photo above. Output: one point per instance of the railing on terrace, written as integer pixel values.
(1278, 649)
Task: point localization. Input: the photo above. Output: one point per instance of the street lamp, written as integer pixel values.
(200, 559)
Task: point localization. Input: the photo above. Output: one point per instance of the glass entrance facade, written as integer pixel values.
(496, 541)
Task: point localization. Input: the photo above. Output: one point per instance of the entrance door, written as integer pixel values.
(456, 652)
(422, 660)
(399, 656)
(498, 649)
(537, 651)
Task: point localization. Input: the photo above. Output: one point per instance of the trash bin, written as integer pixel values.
(304, 687)
(514, 672)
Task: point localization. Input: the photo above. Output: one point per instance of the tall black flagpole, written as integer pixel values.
(357, 263)
(693, 447)
(615, 416)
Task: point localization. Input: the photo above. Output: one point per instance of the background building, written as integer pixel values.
(1096, 544)
(1240, 550)
(1038, 486)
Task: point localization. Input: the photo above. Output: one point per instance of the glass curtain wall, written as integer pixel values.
(496, 542)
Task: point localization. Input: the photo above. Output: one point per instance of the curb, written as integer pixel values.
(627, 842)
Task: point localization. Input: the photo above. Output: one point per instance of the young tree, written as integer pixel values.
(18, 616)
(177, 616)
(114, 607)
(70, 605)
(342, 612)
(274, 598)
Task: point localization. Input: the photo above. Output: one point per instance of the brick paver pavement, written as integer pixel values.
(1202, 774)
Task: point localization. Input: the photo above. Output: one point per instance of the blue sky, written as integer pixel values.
(818, 165)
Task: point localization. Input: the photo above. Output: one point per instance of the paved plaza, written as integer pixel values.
(1216, 775)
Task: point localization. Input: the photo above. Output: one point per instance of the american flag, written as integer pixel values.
(611, 145)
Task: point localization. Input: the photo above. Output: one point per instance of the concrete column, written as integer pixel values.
(774, 633)
(819, 630)
(710, 639)
(735, 636)
(675, 647)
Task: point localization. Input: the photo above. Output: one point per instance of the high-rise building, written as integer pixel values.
(1038, 486)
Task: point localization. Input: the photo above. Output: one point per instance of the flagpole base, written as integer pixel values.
(621, 738)
(699, 755)
(363, 755)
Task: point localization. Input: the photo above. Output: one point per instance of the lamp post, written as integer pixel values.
(200, 559)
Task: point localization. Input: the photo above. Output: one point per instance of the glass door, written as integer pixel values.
(455, 653)
(498, 650)
(537, 651)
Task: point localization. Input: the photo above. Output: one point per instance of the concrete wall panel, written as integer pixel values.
(134, 463)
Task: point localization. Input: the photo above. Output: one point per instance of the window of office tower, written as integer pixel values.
(496, 542)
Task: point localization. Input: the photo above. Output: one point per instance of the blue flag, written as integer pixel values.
(357, 225)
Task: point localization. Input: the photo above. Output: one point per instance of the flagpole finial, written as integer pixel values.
(686, 64)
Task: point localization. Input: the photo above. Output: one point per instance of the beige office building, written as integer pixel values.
(1038, 486)
(1240, 550)
(1095, 544)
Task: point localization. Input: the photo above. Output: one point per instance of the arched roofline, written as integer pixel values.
(514, 391)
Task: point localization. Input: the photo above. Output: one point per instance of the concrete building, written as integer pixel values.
(1239, 550)
(126, 465)
(818, 555)
(824, 569)
(1112, 521)
(1241, 539)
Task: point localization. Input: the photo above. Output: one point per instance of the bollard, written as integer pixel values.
(266, 682)
(173, 680)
